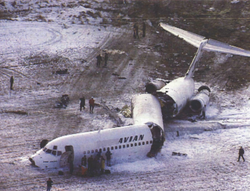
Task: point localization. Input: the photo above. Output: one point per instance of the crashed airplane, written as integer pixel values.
(177, 94)
(146, 136)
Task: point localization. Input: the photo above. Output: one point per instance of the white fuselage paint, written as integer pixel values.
(180, 90)
(148, 109)
(125, 143)
(199, 101)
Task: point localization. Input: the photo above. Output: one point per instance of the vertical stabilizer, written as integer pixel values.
(195, 60)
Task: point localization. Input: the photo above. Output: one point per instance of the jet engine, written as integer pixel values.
(153, 86)
(200, 100)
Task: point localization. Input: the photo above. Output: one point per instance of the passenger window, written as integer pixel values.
(143, 143)
(132, 145)
(88, 152)
(112, 148)
(124, 146)
(92, 151)
(127, 145)
(100, 150)
(151, 142)
(115, 147)
(104, 149)
(120, 146)
(139, 143)
(55, 148)
(135, 144)
(59, 153)
(54, 153)
(147, 142)
(96, 150)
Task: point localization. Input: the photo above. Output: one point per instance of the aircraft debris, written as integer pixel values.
(63, 103)
(16, 112)
(126, 111)
(62, 71)
(178, 154)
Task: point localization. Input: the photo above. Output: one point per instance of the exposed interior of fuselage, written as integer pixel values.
(168, 105)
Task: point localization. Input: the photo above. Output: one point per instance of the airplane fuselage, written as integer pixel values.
(175, 95)
(144, 138)
(135, 141)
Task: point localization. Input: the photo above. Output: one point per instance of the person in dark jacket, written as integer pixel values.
(71, 163)
(11, 82)
(99, 59)
(82, 103)
(49, 184)
(84, 161)
(108, 157)
(241, 153)
(90, 165)
(106, 59)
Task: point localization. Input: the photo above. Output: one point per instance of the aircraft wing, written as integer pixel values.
(211, 45)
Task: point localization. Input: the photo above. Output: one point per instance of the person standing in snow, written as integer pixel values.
(241, 153)
(102, 165)
(82, 103)
(105, 59)
(91, 104)
(108, 157)
(11, 82)
(84, 161)
(99, 59)
(49, 184)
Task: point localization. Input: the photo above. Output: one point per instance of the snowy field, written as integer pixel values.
(28, 115)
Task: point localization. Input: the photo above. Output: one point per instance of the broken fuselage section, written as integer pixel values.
(144, 138)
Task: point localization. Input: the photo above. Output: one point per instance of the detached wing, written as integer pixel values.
(211, 45)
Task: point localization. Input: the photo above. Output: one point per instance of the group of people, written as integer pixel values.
(99, 59)
(136, 30)
(91, 104)
(95, 165)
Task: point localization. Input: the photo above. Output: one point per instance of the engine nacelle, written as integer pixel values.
(200, 100)
(153, 86)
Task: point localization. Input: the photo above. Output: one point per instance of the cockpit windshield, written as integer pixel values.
(53, 152)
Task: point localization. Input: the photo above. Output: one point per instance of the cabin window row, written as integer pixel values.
(119, 147)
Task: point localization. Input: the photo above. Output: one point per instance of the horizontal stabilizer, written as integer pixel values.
(189, 37)
(211, 45)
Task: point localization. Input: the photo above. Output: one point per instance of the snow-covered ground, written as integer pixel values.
(211, 146)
